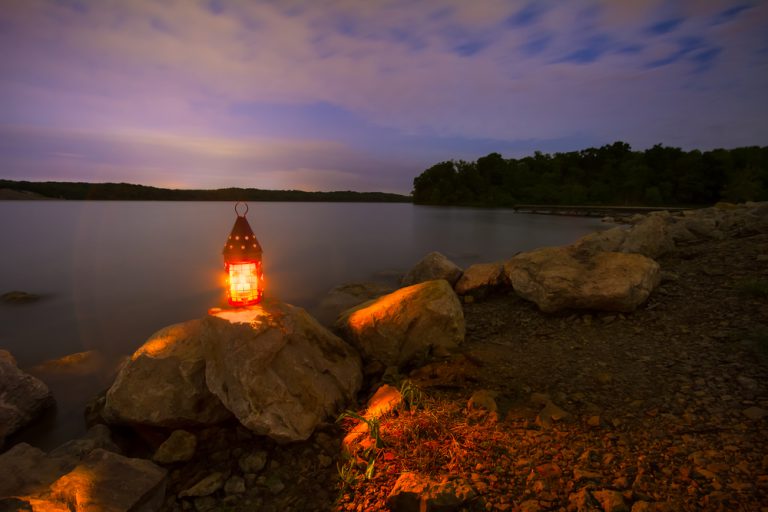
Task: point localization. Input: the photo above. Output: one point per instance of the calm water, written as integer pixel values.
(112, 273)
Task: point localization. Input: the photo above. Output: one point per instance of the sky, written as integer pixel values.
(364, 94)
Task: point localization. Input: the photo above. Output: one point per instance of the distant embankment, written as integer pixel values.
(591, 210)
(129, 192)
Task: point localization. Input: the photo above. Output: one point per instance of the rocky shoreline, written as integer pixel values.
(624, 372)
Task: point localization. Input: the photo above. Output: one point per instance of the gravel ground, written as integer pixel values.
(662, 409)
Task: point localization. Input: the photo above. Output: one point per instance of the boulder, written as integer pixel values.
(433, 266)
(558, 278)
(22, 396)
(609, 240)
(179, 447)
(163, 383)
(347, 296)
(649, 237)
(26, 470)
(479, 278)
(407, 325)
(78, 476)
(278, 370)
(109, 482)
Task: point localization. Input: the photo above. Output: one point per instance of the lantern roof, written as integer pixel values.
(241, 244)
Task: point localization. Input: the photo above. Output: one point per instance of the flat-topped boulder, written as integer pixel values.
(558, 278)
(432, 266)
(272, 366)
(407, 325)
(278, 370)
(22, 396)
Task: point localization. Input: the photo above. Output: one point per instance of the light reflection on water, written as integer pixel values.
(112, 273)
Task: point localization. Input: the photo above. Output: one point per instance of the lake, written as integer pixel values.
(112, 273)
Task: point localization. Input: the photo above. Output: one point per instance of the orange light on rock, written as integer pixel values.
(242, 262)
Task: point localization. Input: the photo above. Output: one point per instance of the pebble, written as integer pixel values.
(755, 413)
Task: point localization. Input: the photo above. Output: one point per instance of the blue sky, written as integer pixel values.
(364, 95)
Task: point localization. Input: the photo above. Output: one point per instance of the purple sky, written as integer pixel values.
(364, 95)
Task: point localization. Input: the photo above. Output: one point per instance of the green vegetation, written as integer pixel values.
(130, 192)
(610, 175)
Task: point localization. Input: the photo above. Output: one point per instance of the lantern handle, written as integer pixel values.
(238, 203)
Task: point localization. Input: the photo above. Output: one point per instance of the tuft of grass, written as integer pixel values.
(753, 287)
(412, 395)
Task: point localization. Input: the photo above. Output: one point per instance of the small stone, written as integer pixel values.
(604, 377)
(253, 462)
(584, 474)
(324, 461)
(179, 447)
(755, 413)
(483, 399)
(234, 485)
(205, 504)
(205, 487)
(274, 484)
(762, 257)
(611, 501)
(593, 421)
(19, 297)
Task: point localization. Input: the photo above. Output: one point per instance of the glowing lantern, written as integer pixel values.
(242, 261)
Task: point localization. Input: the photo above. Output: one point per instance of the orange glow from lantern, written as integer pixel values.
(244, 283)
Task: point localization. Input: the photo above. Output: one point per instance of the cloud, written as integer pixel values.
(358, 82)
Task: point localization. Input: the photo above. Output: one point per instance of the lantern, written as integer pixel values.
(242, 262)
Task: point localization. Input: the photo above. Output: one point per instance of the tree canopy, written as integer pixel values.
(610, 175)
(127, 191)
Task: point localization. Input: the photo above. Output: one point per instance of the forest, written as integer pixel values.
(127, 192)
(610, 175)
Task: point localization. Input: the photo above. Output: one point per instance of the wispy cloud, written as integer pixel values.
(368, 80)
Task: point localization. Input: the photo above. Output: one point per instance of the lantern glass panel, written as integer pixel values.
(243, 283)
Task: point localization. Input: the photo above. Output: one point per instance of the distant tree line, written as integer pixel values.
(127, 191)
(609, 175)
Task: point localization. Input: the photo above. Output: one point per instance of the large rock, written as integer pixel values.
(557, 278)
(22, 396)
(609, 240)
(108, 482)
(163, 384)
(479, 278)
(433, 266)
(278, 370)
(347, 296)
(407, 325)
(79, 476)
(649, 237)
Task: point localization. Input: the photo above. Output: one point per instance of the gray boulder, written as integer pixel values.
(22, 396)
(479, 278)
(558, 278)
(163, 383)
(649, 237)
(109, 482)
(278, 370)
(433, 266)
(609, 240)
(407, 325)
